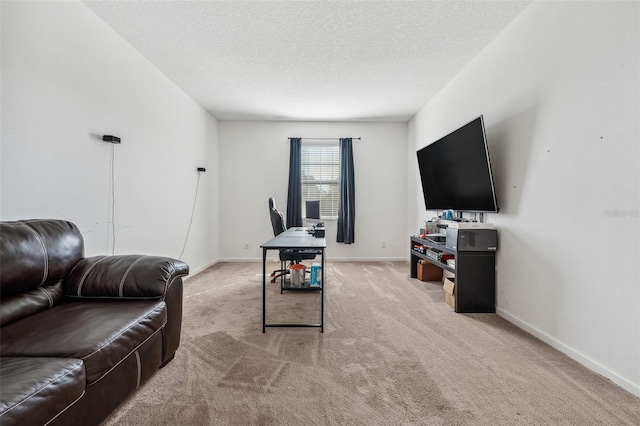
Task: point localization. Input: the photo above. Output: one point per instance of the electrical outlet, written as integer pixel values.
(384, 244)
(246, 246)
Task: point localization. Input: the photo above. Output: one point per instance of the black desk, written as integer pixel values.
(293, 239)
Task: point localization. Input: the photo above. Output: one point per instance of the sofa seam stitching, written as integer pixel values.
(86, 273)
(67, 407)
(48, 296)
(66, 373)
(168, 283)
(126, 356)
(122, 332)
(139, 365)
(44, 249)
(124, 277)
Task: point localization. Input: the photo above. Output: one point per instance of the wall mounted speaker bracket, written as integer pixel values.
(111, 138)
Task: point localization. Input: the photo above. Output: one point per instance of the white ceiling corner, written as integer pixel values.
(309, 60)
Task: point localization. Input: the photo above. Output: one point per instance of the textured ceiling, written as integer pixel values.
(309, 60)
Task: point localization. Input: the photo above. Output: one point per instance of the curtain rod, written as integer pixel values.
(327, 139)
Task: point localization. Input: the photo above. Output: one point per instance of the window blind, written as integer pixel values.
(321, 177)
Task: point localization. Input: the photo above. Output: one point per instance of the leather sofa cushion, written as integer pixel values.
(35, 390)
(100, 332)
(30, 302)
(123, 276)
(34, 253)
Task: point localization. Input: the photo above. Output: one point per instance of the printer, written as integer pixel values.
(472, 238)
(318, 230)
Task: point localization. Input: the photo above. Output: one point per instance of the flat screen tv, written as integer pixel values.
(456, 172)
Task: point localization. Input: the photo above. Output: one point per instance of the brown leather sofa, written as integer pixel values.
(79, 335)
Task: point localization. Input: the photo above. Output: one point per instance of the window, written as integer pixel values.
(321, 177)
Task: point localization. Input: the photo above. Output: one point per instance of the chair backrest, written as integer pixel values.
(277, 219)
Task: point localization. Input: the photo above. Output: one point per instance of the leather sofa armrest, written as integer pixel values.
(127, 276)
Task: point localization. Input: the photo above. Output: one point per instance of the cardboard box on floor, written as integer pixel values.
(446, 274)
(429, 272)
(449, 292)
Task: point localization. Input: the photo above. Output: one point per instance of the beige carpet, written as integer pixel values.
(393, 353)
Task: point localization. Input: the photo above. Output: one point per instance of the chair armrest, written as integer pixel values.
(127, 276)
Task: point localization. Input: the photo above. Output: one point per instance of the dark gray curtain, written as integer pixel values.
(294, 196)
(346, 205)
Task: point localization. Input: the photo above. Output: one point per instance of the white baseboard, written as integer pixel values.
(572, 353)
(248, 259)
(329, 259)
(195, 272)
(368, 259)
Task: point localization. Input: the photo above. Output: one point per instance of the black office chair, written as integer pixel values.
(286, 256)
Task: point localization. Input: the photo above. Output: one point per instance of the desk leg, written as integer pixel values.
(324, 283)
(264, 288)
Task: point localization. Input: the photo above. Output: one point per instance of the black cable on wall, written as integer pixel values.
(193, 209)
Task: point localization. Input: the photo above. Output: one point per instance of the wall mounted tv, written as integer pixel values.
(456, 172)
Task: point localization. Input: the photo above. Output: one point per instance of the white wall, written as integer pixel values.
(255, 167)
(67, 79)
(559, 90)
